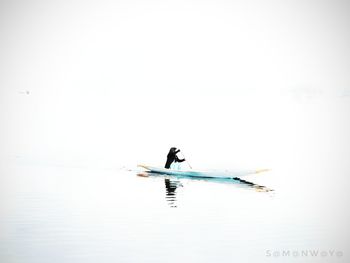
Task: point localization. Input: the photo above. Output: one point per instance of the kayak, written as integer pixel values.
(202, 174)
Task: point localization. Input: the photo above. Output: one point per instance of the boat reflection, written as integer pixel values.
(170, 191)
(171, 184)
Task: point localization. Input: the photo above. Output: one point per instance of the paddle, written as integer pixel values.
(186, 159)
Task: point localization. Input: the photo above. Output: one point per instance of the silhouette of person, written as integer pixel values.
(172, 157)
(170, 194)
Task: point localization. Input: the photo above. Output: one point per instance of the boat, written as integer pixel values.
(226, 174)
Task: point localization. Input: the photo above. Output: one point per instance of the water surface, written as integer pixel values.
(67, 214)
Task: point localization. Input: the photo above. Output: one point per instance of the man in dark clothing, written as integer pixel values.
(171, 157)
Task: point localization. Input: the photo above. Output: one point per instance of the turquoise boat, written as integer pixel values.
(201, 174)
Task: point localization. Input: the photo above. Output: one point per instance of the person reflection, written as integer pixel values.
(170, 194)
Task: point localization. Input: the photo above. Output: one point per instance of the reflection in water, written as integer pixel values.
(257, 187)
(171, 185)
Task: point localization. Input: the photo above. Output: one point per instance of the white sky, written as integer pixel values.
(122, 81)
(234, 84)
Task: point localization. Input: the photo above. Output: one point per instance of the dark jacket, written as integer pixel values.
(171, 157)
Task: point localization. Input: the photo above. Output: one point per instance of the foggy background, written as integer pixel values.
(119, 82)
(233, 84)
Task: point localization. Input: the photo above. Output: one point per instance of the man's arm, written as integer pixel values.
(179, 160)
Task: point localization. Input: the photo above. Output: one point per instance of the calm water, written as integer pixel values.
(65, 214)
(62, 213)
(87, 87)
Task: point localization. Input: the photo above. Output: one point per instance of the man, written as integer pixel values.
(171, 157)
